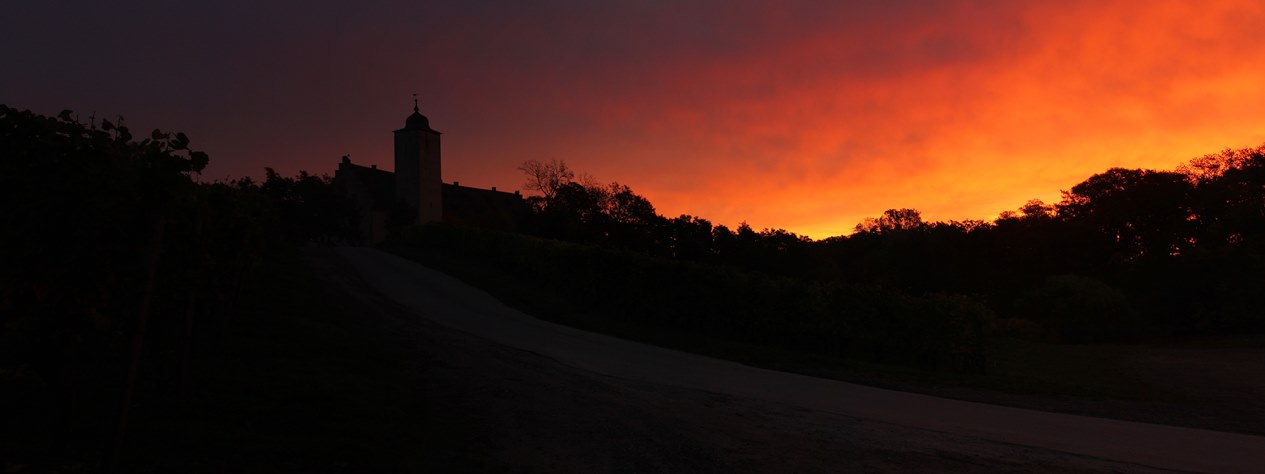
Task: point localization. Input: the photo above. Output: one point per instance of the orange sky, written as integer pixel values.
(960, 114)
(808, 116)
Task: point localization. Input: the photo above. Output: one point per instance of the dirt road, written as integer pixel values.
(548, 397)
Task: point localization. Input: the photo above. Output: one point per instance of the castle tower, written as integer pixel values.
(417, 178)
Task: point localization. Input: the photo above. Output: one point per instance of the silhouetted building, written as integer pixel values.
(415, 192)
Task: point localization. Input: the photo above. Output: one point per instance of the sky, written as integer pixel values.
(802, 115)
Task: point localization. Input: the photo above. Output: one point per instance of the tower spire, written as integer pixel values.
(415, 102)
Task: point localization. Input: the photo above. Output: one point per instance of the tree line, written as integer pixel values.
(1126, 255)
(689, 305)
(120, 273)
(120, 269)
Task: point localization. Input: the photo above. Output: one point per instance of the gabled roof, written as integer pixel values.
(379, 184)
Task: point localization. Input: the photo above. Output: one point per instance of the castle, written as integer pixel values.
(415, 192)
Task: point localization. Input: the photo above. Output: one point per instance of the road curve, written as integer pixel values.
(450, 302)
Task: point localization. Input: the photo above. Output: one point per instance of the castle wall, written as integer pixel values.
(361, 185)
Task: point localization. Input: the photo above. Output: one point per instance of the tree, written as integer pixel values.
(689, 237)
(893, 220)
(547, 178)
(623, 206)
(313, 210)
(1144, 211)
(111, 253)
(1036, 209)
(1212, 166)
(1229, 190)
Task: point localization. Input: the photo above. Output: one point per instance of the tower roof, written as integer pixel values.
(417, 121)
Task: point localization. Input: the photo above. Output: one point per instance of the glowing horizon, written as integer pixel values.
(789, 115)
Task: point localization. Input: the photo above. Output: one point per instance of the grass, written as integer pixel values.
(309, 383)
(1210, 384)
(1015, 366)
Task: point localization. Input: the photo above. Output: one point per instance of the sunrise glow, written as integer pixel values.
(805, 117)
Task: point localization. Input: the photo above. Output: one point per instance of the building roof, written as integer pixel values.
(483, 207)
(417, 121)
(379, 184)
(461, 201)
(477, 196)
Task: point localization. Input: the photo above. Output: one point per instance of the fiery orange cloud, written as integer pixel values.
(960, 112)
(803, 115)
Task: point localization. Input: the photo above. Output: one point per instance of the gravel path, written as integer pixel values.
(524, 394)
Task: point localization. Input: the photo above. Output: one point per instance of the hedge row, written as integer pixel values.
(597, 288)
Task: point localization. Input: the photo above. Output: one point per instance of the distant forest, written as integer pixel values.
(1126, 255)
(117, 263)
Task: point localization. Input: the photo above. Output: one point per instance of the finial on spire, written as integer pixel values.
(415, 102)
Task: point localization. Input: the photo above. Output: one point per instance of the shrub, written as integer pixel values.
(1080, 309)
(601, 289)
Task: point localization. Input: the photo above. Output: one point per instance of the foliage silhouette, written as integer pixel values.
(118, 271)
(312, 208)
(1079, 309)
(1179, 246)
(630, 292)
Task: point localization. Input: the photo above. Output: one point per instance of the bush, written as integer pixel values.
(1080, 309)
(604, 289)
(117, 269)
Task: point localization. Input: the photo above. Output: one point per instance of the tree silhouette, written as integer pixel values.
(547, 177)
(1179, 246)
(314, 210)
(118, 267)
(892, 220)
(1146, 212)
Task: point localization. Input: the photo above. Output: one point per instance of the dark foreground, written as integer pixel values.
(353, 383)
(323, 375)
